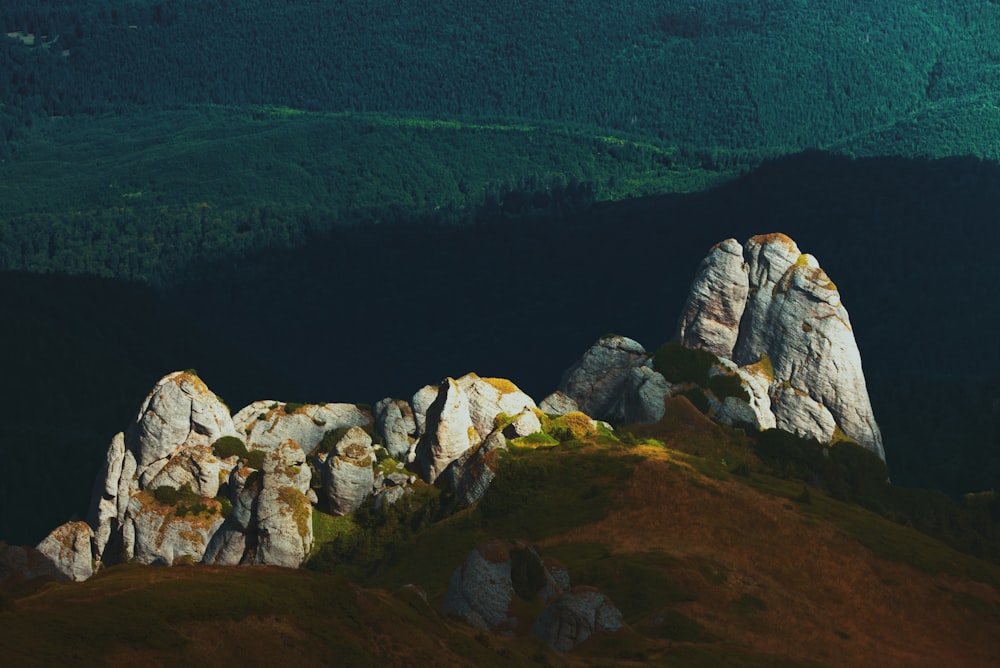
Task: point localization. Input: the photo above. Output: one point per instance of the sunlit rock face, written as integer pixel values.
(711, 316)
(792, 315)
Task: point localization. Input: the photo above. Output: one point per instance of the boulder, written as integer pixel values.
(471, 474)
(490, 397)
(558, 403)
(422, 401)
(395, 427)
(180, 412)
(268, 424)
(160, 534)
(523, 424)
(20, 562)
(794, 336)
(69, 548)
(643, 394)
(196, 467)
(348, 475)
(103, 513)
(480, 590)
(597, 381)
(449, 431)
(795, 316)
(710, 319)
(284, 526)
(483, 588)
(575, 616)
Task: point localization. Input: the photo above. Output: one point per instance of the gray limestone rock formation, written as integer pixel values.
(793, 316)
(558, 403)
(575, 616)
(196, 467)
(180, 412)
(643, 394)
(711, 316)
(449, 431)
(480, 590)
(597, 381)
(395, 426)
(69, 548)
(471, 474)
(489, 397)
(348, 475)
(268, 424)
(162, 534)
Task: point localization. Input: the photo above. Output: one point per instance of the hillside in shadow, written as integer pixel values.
(380, 310)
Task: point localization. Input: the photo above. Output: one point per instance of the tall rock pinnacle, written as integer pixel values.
(791, 312)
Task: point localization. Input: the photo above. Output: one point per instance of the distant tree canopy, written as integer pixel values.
(717, 73)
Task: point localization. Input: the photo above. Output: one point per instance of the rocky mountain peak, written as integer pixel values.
(791, 313)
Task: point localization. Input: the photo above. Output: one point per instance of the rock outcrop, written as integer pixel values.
(448, 431)
(69, 548)
(575, 616)
(395, 426)
(792, 315)
(597, 382)
(483, 590)
(711, 316)
(348, 478)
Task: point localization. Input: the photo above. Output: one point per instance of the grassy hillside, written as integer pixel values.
(708, 568)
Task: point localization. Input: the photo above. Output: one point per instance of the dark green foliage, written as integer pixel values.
(684, 365)
(728, 385)
(330, 440)
(291, 407)
(227, 446)
(377, 536)
(849, 472)
(172, 496)
(528, 487)
(255, 459)
(697, 398)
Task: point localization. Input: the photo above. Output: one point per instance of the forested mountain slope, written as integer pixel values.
(719, 73)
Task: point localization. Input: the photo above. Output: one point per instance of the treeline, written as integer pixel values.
(723, 73)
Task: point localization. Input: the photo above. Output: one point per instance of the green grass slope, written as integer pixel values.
(708, 568)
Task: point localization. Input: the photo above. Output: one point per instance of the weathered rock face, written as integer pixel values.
(643, 394)
(489, 397)
(395, 426)
(792, 314)
(575, 616)
(284, 526)
(596, 383)
(180, 412)
(449, 431)
(158, 534)
(558, 403)
(480, 590)
(348, 476)
(471, 474)
(483, 588)
(69, 548)
(711, 316)
(267, 424)
(196, 467)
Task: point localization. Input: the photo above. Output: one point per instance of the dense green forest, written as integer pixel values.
(781, 75)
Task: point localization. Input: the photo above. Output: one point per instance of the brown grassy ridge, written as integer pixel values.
(708, 569)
